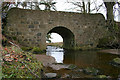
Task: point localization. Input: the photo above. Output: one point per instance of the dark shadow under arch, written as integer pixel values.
(67, 35)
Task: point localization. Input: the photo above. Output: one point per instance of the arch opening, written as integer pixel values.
(54, 38)
(66, 34)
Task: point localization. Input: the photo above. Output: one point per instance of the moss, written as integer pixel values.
(106, 42)
(116, 60)
(91, 71)
(14, 38)
(72, 67)
(37, 50)
(26, 48)
(101, 76)
(21, 64)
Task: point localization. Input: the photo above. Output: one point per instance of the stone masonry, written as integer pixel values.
(30, 27)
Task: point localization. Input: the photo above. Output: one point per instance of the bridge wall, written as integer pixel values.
(30, 27)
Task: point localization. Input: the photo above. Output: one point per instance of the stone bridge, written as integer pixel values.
(30, 27)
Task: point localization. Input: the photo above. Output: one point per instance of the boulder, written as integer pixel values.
(116, 60)
(58, 66)
(91, 71)
(71, 67)
(51, 75)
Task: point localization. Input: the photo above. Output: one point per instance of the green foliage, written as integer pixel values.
(26, 48)
(58, 44)
(72, 66)
(48, 37)
(108, 42)
(37, 50)
(14, 38)
(19, 64)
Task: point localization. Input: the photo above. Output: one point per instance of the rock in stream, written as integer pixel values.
(62, 66)
(51, 75)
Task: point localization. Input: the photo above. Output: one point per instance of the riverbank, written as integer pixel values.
(78, 64)
(45, 59)
(112, 51)
(19, 64)
(57, 44)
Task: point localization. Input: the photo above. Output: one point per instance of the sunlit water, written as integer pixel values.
(84, 59)
(55, 52)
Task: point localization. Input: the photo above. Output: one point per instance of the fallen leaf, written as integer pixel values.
(21, 56)
(6, 49)
(22, 67)
(15, 58)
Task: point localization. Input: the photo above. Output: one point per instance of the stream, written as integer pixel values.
(83, 59)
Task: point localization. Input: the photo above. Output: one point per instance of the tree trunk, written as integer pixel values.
(88, 7)
(111, 24)
(109, 7)
(0, 31)
(0, 25)
(84, 10)
(110, 16)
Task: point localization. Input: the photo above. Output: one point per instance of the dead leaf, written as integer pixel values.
(15, 58)
(6, 49)
(21, 56)
(22, 67)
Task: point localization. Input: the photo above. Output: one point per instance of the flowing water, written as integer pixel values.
(84, 59)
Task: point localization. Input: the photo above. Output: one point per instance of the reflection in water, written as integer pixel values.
(84, 59)
(55, 52)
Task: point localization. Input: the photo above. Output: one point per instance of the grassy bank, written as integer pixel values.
(19, 64)
(57, 44)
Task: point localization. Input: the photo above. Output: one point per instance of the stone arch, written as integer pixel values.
(66, 34)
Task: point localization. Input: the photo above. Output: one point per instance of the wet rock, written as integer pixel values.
(51, 75)
(66, 76)
(91, 71)
(58, 66)
(71, 67)
(79, 70)
(74, 74)
(119, 75)
(46, 60)
(102, 76)
(116, 60)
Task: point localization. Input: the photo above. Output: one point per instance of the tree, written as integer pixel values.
(48, 37)
(113, 28)
(49, 4)
(84, 7)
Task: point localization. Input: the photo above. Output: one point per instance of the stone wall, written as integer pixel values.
(0, 32)
(30, 27)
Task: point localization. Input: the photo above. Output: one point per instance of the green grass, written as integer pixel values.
(19, 64)
(57, 44)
